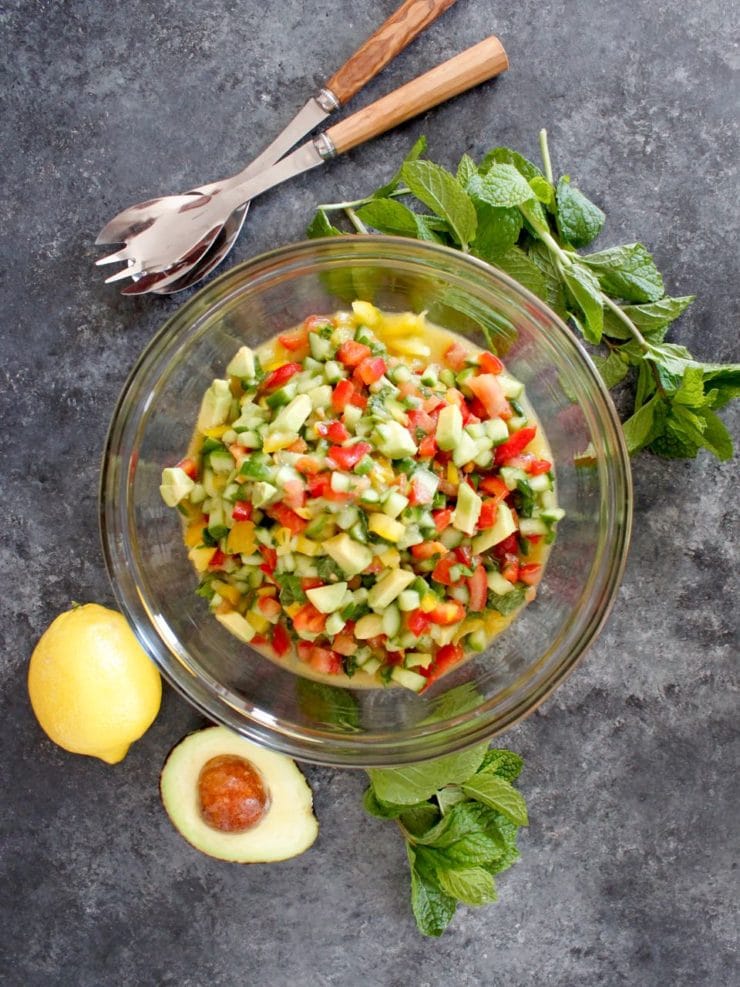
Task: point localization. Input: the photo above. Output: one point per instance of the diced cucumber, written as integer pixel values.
(511, 476)
(391, 620)
(532, 526)
(329, 598)
(418, 659)
(465, 450)
(449, 427)
(264, 493)
(221, 461)
(348, 516)
(408, 679)
(540, 483)
(333, 371)
(517, 423)
(176, 485)
(335, 623)
(496, 430)
(352, 414)
(394, 441)
(430, 376)
(370, 496)
(467, 510)
(341, 482)
(293, 417)
(451, 538)
(371, 625)
(497, 584)
(477, 430)
(321, 349)
(358, 532)
(371, 665)
(409, 600)
(477, 640)
(320, 396)
(447, 377)
(399, 374)
(552, 514)
(484, 459)
(215, 406)
(197, 494)
(249, 440)
(283, 395)
(242, 364)
(425, 483)
(387, 589)
(394, 503)
(511, 387)
(413, 536)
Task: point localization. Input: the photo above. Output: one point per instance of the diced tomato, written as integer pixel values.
(509, 546)
(280, 640)
(351, 353)
(269, 606)
(495, 486)
(311, 582)
(300, 445)
(490, 364)
(370, 369)
(427, 549)
(476, 409)
(464, 555)
(419, 419)
(320, 659)
(514, 445)
(530, 573)
(409, 388)
(534, 538)
(419, 493)
(344, 643)
(539, 466)
(347, 457)
(442, 519)
(447, 657)
(455, 397)
(190, 467)
(490, 394)
(374, 568)
(417, 622)
(487, 516)
(510, 568)
(315, 322)
(334, 431)
(318, 483)
(394, 658)
(258, 640)
(450, 612)
(242, 511)
(294, 494)
(308, 466)
(441, 573)
(280, 376)
(217, 559)
(478, 588)
(309, 619)
(433, 403)
(342, 394)
(428, 447)
(270, 557)
(455, 356)
(289, 519)
(297, 339)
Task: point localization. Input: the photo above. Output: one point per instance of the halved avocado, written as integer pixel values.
(236, 801)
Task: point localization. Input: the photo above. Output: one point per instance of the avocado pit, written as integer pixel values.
(232, 796)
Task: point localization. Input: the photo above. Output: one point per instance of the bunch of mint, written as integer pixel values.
(459, 816)
(507, 211)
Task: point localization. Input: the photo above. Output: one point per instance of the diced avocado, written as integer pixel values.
(351, 556)
(238, 626)
(408, 679)
(465, 450)
(176, 485)
(505, 525)
(394, 441)
(242, 364)
(385, 591)
(449, 427)
(511, 387)
(329, 598)
(498, 584)
(371, 625)
(293, 416)
(467, 510)
(215, 406)
(264, 493)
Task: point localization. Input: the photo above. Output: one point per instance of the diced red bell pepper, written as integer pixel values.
(449, 612)
(447, 657)
(530, 573)
(269, 606)
(351, 353)
(309, 619)
(510, 568)
(428, 447)
(242, 511)
(334, 431)
(280, 376)
(514, 445)
(370, 369)
(346, 393)
(257, 640)
(487, 516)
(347, 457)
(308, 466)
(478, 589)
(495, 486)
(417, 622)
(311, 582)
(441, 573)
(280, 640)
(464, 555)
(442, 519)
(455, 356)
(509, 546)
(297, 339)
(320, 486)
(189, 467)
(270, 557)
(428, 549)
(490, 394)
(217, 559)
(289, 519)
(476, 410)
(490, 364)
(539, 466)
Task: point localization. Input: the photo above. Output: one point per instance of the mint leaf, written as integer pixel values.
(419, 146)
(536, 218)
(498, 230)
(505, 764)
(703, 429)
(471, 885)
(428, 229)
(418, 819)
(508, 602)
(498, 794)
(651, 319)
(321, 226)
(389, 216)
(627, 272)
(645, 425)
(724, 379)
(543, 190)
(466, 169)
(505, 155)
(579, 220)
(502, 186)
(585, 289)
(380, 809)
(613, 368)
(468, 834)
(716, 437)
(432, 908)
(448, 796)
(417, 782)
(691, 389)
(439, 190)
(517, 265)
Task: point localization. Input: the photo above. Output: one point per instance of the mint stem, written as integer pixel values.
(638, 337)
(545, 152)
(355, 220)
(356, 203)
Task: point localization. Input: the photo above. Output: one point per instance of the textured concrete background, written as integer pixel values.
(627, 874)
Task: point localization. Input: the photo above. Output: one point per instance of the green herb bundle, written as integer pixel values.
(507, 211)
(459, 816)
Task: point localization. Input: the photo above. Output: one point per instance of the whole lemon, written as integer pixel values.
(93, 688)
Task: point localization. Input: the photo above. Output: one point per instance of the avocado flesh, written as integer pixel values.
(288, 827)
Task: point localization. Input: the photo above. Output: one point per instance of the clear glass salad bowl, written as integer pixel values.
(231, 683)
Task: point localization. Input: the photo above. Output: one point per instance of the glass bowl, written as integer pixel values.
(231, 683)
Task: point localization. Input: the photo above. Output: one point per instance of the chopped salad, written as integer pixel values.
(362, 505)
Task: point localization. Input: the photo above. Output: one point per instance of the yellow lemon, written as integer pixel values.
(93, 688)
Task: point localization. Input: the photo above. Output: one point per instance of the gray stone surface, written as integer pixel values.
(628, 872)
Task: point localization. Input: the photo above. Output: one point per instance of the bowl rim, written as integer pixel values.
(375, 750)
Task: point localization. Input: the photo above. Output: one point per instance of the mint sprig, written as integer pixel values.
(509, 212)
(459, 816)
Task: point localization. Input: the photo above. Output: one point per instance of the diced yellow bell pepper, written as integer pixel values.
(267, 591)
(409, 346)
(282, 537)
(217, 431)
(201, 557)
(366, 313)
(194, 532)
(386, 527)
(453, 476)
(391, 558)
(428, 602)
(241, 538)
(402, 324)
(258, 621)
(227, 591)
(278, 440)
(273, 365)
(306, 546)
(468, 626)
(292, 610)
